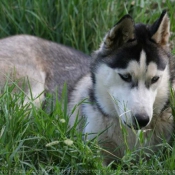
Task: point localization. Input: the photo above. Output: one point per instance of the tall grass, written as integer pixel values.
(80, 24)
(33, 141)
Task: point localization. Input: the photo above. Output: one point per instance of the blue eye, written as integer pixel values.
(154, 79)
(126, 77)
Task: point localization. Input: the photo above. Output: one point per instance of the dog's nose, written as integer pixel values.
(141, 120)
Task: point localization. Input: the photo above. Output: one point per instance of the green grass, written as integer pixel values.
(33, 141)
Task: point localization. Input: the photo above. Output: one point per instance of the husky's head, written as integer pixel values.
(131, 72)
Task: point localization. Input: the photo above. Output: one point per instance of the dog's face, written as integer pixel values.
(131, 71)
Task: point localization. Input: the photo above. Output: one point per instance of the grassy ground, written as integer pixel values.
(33, 141)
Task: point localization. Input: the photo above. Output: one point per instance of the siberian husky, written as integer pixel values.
(127, 85)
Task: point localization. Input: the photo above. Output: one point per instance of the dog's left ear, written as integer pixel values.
(160, 30)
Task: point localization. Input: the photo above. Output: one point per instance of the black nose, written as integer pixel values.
(141, 120)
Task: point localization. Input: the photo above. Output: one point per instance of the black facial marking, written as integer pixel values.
(120, 57)
(134, 84)
(147, 84)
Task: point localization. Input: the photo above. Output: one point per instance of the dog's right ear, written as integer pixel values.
(160, 30)
(121, 33)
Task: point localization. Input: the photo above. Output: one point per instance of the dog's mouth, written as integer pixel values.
(132, 126)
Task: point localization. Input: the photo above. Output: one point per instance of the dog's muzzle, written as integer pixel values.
(139, 121)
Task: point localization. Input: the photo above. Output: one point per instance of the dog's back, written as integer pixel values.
(47, 65)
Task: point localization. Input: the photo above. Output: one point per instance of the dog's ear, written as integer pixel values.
(121, 33)
(160, 30)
